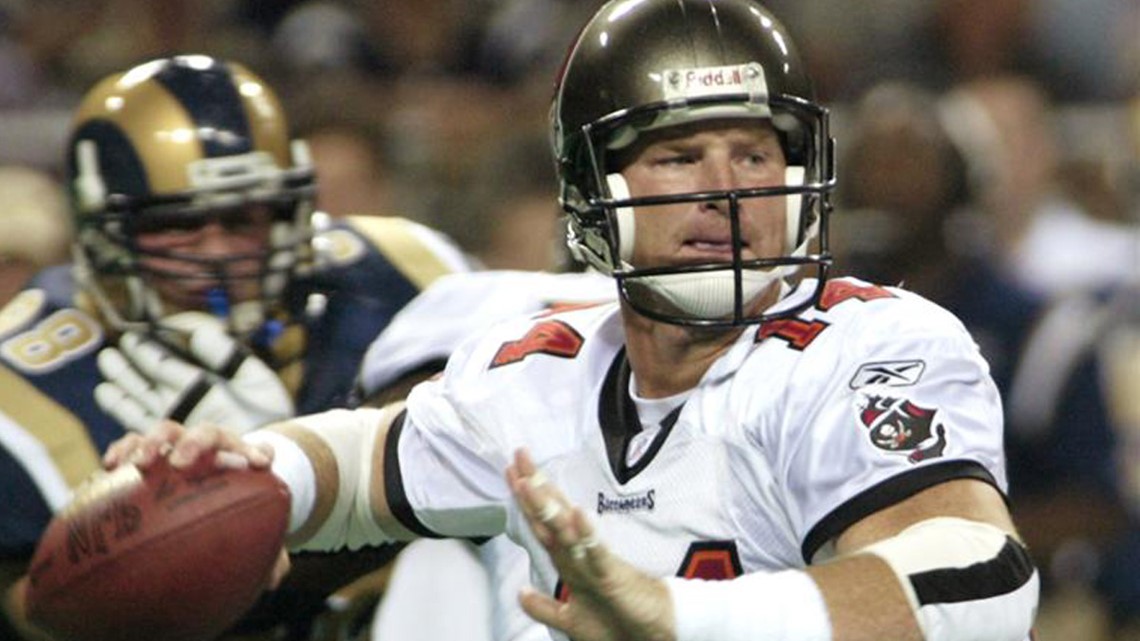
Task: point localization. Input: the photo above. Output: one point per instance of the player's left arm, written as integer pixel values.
(944, 564)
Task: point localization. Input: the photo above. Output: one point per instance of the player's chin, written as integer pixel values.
(208, 297)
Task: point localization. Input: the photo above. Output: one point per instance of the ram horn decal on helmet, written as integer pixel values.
(174, 143)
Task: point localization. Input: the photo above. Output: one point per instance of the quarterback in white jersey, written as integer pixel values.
(738, 475)
(887, 397)
(738, 448)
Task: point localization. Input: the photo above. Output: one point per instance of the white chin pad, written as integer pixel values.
(247, 316)
(619, 190)
(706, 294)
(189, 321)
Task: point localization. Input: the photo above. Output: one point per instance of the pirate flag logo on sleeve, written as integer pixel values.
(897, 425)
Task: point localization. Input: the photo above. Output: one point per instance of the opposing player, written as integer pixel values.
(830, 450)
(204, 286)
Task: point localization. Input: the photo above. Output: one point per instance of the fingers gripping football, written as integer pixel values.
(207, 445)
(216, 380)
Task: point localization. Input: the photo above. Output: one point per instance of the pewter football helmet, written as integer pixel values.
(640, 65)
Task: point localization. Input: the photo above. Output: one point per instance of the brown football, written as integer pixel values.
(158, 554)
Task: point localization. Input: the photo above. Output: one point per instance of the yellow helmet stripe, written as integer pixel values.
(268, 126)
(155, 123)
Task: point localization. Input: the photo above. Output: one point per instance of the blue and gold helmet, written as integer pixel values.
(169, 145)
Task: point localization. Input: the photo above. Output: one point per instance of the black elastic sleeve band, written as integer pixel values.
(394, 483)
(190, 400)
(1005, 573)
(229, 368)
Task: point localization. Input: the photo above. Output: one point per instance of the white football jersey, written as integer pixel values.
(801, 428)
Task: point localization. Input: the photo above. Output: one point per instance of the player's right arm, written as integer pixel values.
(333, 463)
(343, 471)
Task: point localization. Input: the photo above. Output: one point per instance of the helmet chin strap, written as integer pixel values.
(710, 294)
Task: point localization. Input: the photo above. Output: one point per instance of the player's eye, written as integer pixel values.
(174, 224)
(244, 220)
(677, 159)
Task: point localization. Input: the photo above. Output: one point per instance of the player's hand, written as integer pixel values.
(204, 445)
(610, 599)
(215, 380)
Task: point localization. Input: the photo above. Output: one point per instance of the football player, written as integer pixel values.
(204, 286)
(737, 449)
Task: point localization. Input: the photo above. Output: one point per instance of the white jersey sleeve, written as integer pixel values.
(895, 400)
(456, 306)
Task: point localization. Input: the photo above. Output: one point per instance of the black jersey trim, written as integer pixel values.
(1003, 574)
(886, 494)
(617, 415)
(394, 483)
(614, 416)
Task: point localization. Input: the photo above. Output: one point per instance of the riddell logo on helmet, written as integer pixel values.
(719, 78)
(703, 81)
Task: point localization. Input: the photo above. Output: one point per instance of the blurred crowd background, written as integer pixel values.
(989, 159)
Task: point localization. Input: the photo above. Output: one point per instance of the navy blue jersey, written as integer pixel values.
(52, 431)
